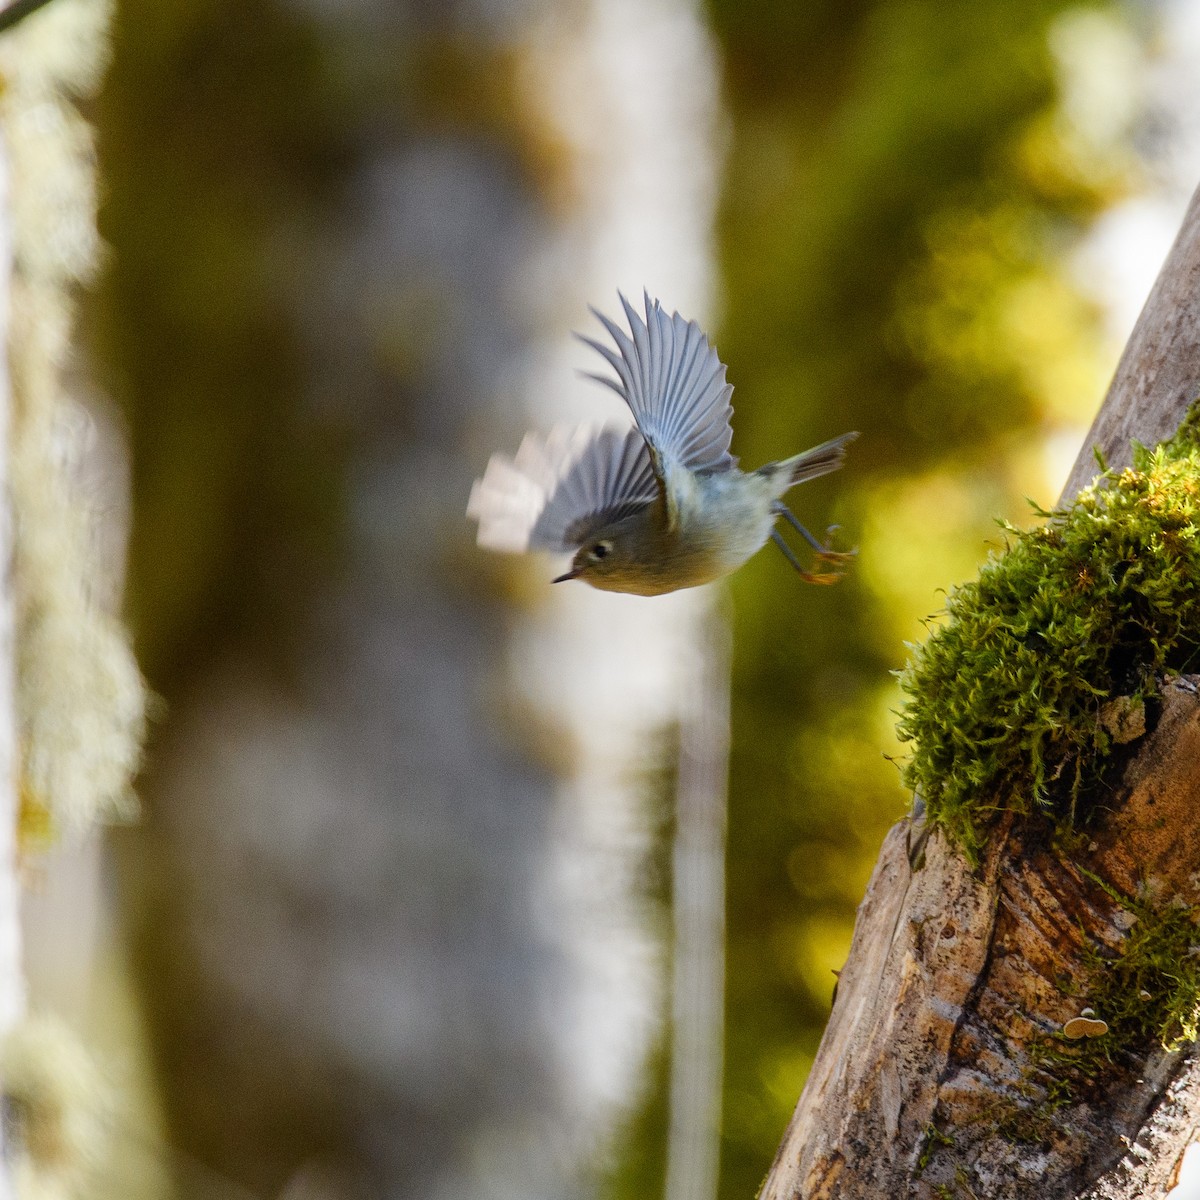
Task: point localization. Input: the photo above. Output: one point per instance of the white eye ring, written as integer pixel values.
(601, 550)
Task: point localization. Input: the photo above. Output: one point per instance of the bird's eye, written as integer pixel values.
(601, 549)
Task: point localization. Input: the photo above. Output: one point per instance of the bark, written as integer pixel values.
(1159, 372)
(928, 1081)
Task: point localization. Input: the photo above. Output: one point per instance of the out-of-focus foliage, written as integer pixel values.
(904, 186)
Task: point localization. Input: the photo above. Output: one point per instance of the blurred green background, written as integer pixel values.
(904, 185)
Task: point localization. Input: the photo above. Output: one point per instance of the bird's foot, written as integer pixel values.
(824, 578)
(822, 553)
(827, 553)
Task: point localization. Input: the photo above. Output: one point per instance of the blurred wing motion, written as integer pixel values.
(671, 378)
(561, 489)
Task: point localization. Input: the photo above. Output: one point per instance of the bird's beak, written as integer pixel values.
(571, 574)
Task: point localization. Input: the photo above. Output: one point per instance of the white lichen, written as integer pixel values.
(60, 1111)
(80, 697)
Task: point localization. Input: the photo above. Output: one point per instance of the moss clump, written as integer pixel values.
(1006, 702)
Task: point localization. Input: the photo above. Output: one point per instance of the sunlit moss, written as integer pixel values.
(1006, 701)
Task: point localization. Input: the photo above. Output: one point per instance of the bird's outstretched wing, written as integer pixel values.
(561, 489)
(671, 378)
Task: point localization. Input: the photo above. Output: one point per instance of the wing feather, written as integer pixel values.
(674, 383)
(559, 490)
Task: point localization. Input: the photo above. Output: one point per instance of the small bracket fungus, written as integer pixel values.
(1086, 1025)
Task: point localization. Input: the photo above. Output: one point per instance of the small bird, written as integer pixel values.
(659, 506)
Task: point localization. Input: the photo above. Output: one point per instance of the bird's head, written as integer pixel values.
(603, 561)
(631, 555)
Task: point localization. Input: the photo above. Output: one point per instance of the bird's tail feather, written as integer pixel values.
(820, 460)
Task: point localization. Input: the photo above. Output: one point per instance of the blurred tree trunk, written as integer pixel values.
(698, 909)
(389, 899)
(12, 979)
(927, 1082)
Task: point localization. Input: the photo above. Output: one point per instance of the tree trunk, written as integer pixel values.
(12, 976)
(474, 741)
(935, 1077)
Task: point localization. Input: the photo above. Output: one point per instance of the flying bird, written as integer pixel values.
(659, 506)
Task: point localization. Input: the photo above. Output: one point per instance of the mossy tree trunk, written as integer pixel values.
(952, 1064)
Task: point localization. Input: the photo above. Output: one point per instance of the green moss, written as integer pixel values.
(1187, 436)
(1008, 704)
(933, 1138)
(1149, 990)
